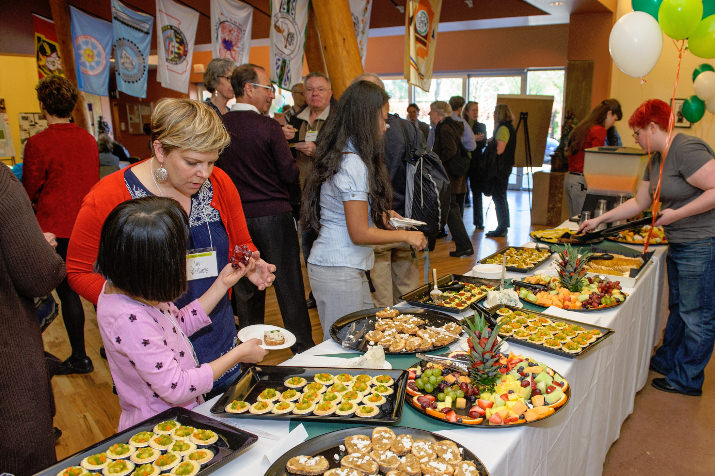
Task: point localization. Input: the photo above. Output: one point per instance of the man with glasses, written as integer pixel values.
(261, 166)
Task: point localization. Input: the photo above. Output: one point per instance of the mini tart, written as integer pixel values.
(333, 397)
(186, 468)
(146, 470)
(161, 442)
(560, 324)
(303, 408)
(289, 395)
(577, 328)
(324, 378)
(259, 408)
(352, 396)
(120, 451)
(374, 399)
(520, 334)
(95, 462)
(569, 331)
(536, 338)
(345, 379)
(367, 411)
(338, 387)
(543, 321)
(506, 330)
(206, 437)
(183, 432)
(295, 382)
(145, 455)
(73, 471)
(282, 407)
(364, 378)
(346, 408)
(201, 455)
(517, 313)
(552, 343)
(571, 347)
(310, 397)
(166, 427)
(383, 390)
(268, 395)
(504, 311)
(362, 387)
(522, 321)
(531, 329)
(120, 467)
(315, 387)
(583, 341)
(167, 461)
(325, 408)
(561, 337)
(237, 406)
(182, 448)
(141, 439)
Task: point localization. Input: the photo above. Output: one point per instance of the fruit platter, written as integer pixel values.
(556, 235)
(639, 235)
(519, 259)
(572, 289)
(556, 335)
(379, 450)
(460, 293)
(403, 331)
(365, 396)
(486, 388)
(177, 440)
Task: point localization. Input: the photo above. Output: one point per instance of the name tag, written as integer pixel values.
(311, 136)
(201, 264)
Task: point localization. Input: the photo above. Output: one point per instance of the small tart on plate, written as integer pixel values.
(182, 448)
(237, 406)
(571, 347)
(374, 399)
(352, 396)
(364, 378)
(303, 407)
(167, 461)
(324, 378)
(310, 397)
(95, 462)
(141, 439)
(367, 411)
(295, 382)
(166, 427)
(259, 408)
(201, 455)
(315, 387)
(281, 408)
(145, 455)
(290, 395)
(383, 380)
(520, 334)
(310, 465)
(147, 469)
(346, 408)
(338, 387)
(552, 343)
(268, 395)
(325, 408)
(536, 338)
(120, 467)
(73, 471)
(183, 432)
(362, 387)
(186, 468)
(345, 379)
(383, 390)
(120, 451)
(205, 437)
(333, 397)
(161, 442)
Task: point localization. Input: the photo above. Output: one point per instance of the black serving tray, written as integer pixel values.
(365, 320)
(329, 444)
(256, 378)
(231, 443)
(420, 297)
(605, 332)
(516, 268)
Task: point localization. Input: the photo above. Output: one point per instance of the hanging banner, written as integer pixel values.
(360, 10)
(132, 41)
(47, 50)
(231, 30)
(421, 22)
(176, 34)
(92, 40)
(289, 19)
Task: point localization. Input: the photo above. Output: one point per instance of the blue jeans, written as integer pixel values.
(690, 331)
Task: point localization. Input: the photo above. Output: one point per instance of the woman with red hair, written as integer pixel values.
(688, 216)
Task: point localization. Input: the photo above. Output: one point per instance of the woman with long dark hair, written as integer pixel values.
(591, 132)
(347, 200)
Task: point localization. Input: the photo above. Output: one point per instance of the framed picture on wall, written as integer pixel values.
(680, 120)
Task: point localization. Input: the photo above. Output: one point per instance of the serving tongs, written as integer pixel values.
(597, 235)
(353, 337)
(459, 365)
(533, 286)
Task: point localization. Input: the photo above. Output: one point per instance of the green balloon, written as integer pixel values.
(649, 6)
(693, 109)
(702, 41)
(679, 18)
(708, 8)
(700, 69)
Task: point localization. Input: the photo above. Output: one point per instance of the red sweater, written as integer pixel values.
(60, 165)
(110, 192)
(596, 137)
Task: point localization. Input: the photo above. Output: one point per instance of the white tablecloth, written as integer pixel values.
(575, 440)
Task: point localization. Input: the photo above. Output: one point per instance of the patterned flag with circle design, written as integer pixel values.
(92, 40)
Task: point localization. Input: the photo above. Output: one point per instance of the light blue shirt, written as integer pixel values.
(333, 247)
(468, 136)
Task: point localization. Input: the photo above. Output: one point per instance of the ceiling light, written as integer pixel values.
(556, 4)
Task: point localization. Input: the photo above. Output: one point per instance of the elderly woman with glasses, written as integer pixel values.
(217, 80)
(687, 193)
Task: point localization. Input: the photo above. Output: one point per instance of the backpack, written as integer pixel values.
(427, 187)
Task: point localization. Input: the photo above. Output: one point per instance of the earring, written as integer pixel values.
(161, 174)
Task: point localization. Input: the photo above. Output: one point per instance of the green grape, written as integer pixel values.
(420, 383)
(460, 394)
(440, 396)
(428, 387)
(433, 380)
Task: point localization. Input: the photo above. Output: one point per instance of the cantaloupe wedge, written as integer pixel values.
(558, 403)
(538, 413)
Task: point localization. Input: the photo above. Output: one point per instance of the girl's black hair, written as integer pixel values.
(355, 118)
(142, 248)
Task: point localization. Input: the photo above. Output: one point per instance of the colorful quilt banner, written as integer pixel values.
(92, 40)
(176, 35)
(231, 23)
(289, 19)
(132, 42)
(421, 22)
(360, 10)
(47, 50)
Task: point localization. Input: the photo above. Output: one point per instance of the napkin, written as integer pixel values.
(294, 438)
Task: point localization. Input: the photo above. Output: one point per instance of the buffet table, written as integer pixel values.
(576, 440)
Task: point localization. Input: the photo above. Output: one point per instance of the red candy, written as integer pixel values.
(241, 254)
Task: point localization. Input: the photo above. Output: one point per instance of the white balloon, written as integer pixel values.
(705, 85)
(635, 43)
(710, 104)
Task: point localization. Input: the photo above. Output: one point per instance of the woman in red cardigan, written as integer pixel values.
(187, 138)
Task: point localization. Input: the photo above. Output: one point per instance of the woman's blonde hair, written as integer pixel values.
(502, 113)
(442, 107)
(188, 125)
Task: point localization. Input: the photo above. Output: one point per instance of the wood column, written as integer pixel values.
(313, 49)
(338, 42)
(61, 17)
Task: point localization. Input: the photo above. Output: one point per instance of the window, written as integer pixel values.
(398, 89)
(441, 89)
(484, 90)
(549, 83)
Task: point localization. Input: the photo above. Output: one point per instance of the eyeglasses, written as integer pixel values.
(636, 133)
(317, 90)
(271, 88)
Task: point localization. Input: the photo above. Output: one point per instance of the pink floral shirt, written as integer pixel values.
(151, 359)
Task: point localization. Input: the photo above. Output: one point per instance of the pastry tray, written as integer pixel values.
(605, 333)
(259, 377)
(515, 268)
(365, 322)
(421, 296)
(231, 443)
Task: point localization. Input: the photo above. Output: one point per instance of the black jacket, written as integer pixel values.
(396, 153)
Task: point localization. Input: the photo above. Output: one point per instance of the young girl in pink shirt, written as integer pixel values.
(142, 255)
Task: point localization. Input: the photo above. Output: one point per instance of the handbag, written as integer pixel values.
(46, 310)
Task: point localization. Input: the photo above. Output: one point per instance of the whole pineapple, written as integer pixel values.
(572, 268)
(483, 352)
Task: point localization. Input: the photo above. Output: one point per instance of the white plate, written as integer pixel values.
(256, 332)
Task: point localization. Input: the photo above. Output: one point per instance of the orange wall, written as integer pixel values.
(588, 40)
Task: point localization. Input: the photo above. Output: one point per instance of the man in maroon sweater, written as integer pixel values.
(260, 164)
